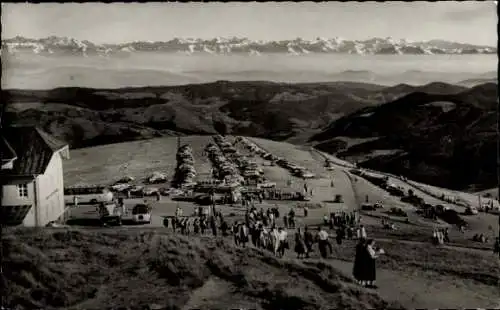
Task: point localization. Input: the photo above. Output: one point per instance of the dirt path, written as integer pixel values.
(430, 198)
(214, 290)
(415, 291)
(423, 290)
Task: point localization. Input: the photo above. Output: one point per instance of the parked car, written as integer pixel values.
(398, 212)
(395, 191)
(452, 217)
(414, 200)
(141, 214)
(307, 175)
(471, 211)
(150, 191)
(86, 195)
(368, 207)
(110, 214)
(120, 187)
(137, 190)
(157, 177)
(126, 179)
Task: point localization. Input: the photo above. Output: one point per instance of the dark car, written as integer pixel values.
(452, 217)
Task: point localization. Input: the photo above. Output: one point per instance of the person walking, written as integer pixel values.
(300, 247)
(340, 235)
(308, 241)
(213, 226)
(283, 242)
(350, 233)
(323, 243)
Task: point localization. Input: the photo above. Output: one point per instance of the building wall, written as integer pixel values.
(11, 195)
(29, 220)
(50, 189)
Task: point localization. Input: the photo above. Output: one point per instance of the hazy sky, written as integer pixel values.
(470, 22)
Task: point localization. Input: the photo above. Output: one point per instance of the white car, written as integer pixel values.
(121, 187)
(157, 177)
(149, 191)
(266, 185)
(307, 175)
(141, 214)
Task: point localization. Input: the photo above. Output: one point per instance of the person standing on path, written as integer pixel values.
(323, 243)
(213, 226)
(371, 270)
(357, 270)
(300, 247)
(340, 234)
(308, 241)
(363, 232)
(306, 211)
(283, 242)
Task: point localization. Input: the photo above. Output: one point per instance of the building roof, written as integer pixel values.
(14, 215)
(6, 150)
(32, 146)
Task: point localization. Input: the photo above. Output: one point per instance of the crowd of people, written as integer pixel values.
(340, 219)
(261, 228)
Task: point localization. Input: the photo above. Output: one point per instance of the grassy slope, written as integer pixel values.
(76, 269)
(107, 163)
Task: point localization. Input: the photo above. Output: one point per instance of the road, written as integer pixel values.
(323, 193)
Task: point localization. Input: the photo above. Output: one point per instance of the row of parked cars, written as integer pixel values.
(224, 168)
(252, 173)
(127, 187)
(185, 171)
(427, 210)
(294, 169)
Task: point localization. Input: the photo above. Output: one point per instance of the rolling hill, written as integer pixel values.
(382, 127)
(86, 117)
(442, 139)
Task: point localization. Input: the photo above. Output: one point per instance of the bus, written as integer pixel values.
(87, 195)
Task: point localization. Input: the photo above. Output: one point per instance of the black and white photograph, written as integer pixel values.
(249, 155)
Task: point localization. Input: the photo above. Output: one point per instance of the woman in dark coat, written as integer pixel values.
(308, 241)
(300, 247)
(340, 235)
(359, 261)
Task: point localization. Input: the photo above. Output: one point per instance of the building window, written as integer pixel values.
(22, 190)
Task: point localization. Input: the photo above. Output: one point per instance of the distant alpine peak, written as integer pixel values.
(55, 45)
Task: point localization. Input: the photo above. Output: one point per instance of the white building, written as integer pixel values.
(31, 176)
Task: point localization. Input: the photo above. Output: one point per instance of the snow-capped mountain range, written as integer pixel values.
(69, 46)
